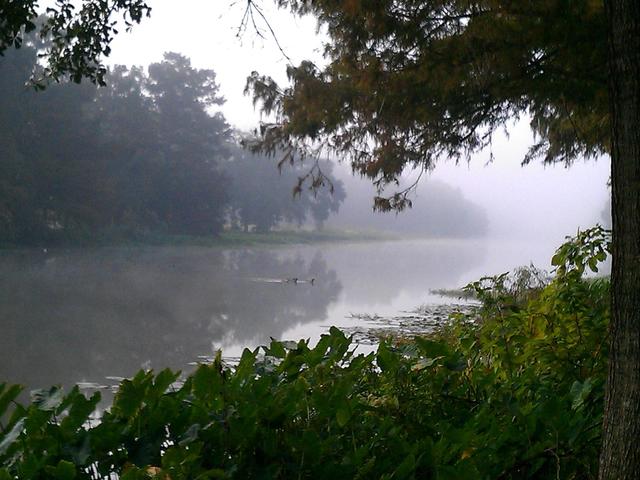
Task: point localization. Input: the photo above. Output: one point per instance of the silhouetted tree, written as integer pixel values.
(78, 33)
(411, 81)
(139, 155)
(190, 193)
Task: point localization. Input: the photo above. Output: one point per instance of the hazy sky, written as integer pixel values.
(537, 201)
(206, 31)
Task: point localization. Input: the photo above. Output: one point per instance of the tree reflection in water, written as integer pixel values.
(77, 316)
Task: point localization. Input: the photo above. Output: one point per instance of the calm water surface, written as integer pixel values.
(85, 315)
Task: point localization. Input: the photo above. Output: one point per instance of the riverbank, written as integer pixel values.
(228, 239)
(511, 390)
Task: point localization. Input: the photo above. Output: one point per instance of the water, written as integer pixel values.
(89, 315)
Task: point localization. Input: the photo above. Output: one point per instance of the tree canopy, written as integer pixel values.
(139, 155)
(146, 155)
(78, 34)
(411, 81)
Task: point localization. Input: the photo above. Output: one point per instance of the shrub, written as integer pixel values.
(513, 391)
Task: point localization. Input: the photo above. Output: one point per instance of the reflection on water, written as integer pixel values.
(85, 315)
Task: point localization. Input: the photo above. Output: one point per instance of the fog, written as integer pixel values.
(535, 201)
(153, 160)
(96, 313)
(438, 210)
(106, 313)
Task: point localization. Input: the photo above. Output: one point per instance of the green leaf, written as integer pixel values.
(190, 435)
(47, 399)
(161, 383)
(7, 396)
(65, 471)
(276, 349)
(134, 473)
(12, 436)
(207, 381)
(129, 397)
(580, 392)
(80, 453)
(432, 348)
(457, 363)
(386, 359)
(424, 363)
(213, 473)
(245, 368)
(336, 332)
(343, 415)
(406, 468)
(80, 410)
(557, 259)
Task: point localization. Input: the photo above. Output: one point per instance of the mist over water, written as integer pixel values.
(84, 315)
(87, 315)
(541, 203)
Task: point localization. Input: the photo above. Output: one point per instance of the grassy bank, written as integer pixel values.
(290, 237)
(225, 239)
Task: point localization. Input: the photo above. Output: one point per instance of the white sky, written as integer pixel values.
(535, 201)
(206, 32)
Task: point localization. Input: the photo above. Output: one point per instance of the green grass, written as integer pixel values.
(224, 240)
(248, 239)
(287, 237)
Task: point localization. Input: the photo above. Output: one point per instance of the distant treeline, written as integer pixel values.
(146, 154)
(149, 155)
(439, 210)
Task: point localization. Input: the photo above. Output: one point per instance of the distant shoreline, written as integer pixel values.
(228, 239)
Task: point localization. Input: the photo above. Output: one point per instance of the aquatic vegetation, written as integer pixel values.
(424, 320)
(512, 390)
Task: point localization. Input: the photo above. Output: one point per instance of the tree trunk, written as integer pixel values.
(620, 456)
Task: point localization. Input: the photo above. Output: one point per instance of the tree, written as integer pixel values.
(141, 155)
(441, 211)
(40, 191)
(78, 35)
(190, 188)
(411, 81)
(620, 457)
(261, 195)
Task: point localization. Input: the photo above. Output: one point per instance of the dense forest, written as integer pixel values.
(149, 154)
(146, 154)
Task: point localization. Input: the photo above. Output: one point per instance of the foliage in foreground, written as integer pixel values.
(513, 392)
